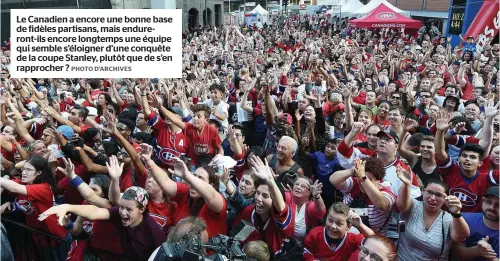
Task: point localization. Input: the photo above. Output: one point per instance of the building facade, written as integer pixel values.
(195, 12)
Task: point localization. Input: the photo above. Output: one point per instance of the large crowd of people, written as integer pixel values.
(334, 143)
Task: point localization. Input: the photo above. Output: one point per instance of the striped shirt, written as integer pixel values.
(418, 243)
(378, 219)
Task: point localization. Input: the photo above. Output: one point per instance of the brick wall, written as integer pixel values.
(438, 5)
(410, 4)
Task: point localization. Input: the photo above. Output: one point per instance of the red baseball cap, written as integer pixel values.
(288, 117)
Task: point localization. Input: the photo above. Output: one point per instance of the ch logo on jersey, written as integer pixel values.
(466, 197)
(88, 226)
(166, 155)
(201, 149)
(161, 220)
(26, 207)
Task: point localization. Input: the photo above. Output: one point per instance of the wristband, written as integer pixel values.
(481, 108)
(14, 206)
(457, 215)
(70, 225)
(318, 197)
(452, 132)
(76, 182)
(364, 178)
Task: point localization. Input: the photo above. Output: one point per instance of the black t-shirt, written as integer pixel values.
(141, 241)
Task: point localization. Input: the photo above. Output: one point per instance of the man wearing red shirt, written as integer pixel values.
(463, 178)
(76, 121)
(358, 96)
(204, 139)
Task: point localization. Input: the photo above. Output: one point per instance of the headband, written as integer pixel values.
(141, 195)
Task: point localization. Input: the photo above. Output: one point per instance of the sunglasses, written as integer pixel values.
(364, 252)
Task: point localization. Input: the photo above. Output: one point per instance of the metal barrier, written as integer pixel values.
(29, 244)
(32, 244)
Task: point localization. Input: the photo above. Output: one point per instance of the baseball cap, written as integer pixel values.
(176, 110)
(492, 191)
(66, 131)
(389, 134)
(287, 117)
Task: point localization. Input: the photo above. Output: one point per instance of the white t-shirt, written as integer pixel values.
(242, 114)
(300, 224)
(222, 108)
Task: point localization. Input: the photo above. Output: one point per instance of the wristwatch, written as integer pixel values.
(457, 215)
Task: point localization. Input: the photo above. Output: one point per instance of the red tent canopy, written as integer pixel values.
(383, 16)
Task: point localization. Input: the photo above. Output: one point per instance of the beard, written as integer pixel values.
(493, 219)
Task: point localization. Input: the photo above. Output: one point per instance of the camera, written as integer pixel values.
(224, 247)
(401, 226)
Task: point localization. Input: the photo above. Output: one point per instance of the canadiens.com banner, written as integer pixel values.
(486, 24)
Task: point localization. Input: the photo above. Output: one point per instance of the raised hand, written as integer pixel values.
(357, 127)
(115, 168)
(344, 91)
(404, 175)
(316, 189)
(77, 141)
(146, 152)
(410, 125)
(261, 169)
(69, 170)
(459, 127)
(226, 176)
(491, 110)
(442, 120)
(359, 168)
(354, 219)
(298, 116)
(231, 134)
(180, 169)
(110, 124)
(453, 204)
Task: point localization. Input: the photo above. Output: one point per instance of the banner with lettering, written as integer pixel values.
(486, 24)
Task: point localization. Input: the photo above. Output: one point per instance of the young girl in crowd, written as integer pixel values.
(35, 193)
(138, 232)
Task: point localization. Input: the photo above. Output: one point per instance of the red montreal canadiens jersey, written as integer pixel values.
(469, 191)
(39, 198)
(216, 222)
(204, 144)
(162, 213)
(167, 144)
(316, 246)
